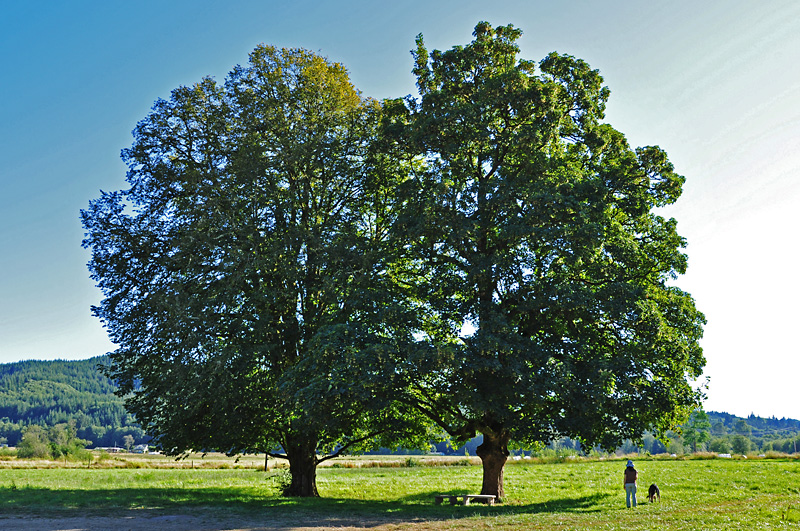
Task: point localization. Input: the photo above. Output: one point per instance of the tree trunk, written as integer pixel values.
(303, 468)
(494, 454)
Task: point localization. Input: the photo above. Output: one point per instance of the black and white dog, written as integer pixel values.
(653, 493)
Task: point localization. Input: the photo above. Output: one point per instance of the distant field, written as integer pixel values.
(696, 494)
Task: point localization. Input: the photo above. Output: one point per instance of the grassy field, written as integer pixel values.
(696, 494)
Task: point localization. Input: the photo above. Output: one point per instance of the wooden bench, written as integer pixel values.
(465, 498)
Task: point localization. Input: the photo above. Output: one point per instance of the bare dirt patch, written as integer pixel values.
(196, 521)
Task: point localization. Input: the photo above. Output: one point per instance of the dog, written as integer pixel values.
(653, 493)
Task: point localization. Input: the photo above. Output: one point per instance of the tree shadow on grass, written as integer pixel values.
(230, 502)
(590, 503)
(104, 501)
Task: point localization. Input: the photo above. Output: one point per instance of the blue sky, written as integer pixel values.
(714, 83)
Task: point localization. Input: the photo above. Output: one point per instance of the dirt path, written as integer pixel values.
(148, 521)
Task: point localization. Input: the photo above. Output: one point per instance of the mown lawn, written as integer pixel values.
(695, 494)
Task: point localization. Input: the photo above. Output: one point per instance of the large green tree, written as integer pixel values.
(240, 267)
(537, 257)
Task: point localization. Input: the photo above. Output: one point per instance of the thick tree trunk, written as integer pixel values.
(494, 454)
(303, 468)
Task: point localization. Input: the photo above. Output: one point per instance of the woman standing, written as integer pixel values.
(631, 475)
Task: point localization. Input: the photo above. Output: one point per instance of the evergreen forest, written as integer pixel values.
(48, 393)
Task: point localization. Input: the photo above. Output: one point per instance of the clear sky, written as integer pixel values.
(715, 83)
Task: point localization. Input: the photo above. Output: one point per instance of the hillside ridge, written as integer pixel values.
(50, 392)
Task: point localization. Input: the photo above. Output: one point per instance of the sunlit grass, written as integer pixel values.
(696, 494)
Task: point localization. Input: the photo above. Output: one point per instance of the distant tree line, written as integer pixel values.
(752, 434)
(63, 393)
(724, 433)
(74, 397)
(704, 432)
(711, 431)
(56, 442)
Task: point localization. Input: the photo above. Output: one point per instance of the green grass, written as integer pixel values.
(696, 494)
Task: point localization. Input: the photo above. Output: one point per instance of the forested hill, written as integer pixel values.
(52, 392)
(763, 434)
(758, 426)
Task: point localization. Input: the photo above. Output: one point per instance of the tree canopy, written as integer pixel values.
(239, 257)
(297, 267)
(535, 248)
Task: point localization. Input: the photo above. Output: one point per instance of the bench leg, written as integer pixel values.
(463, 499)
